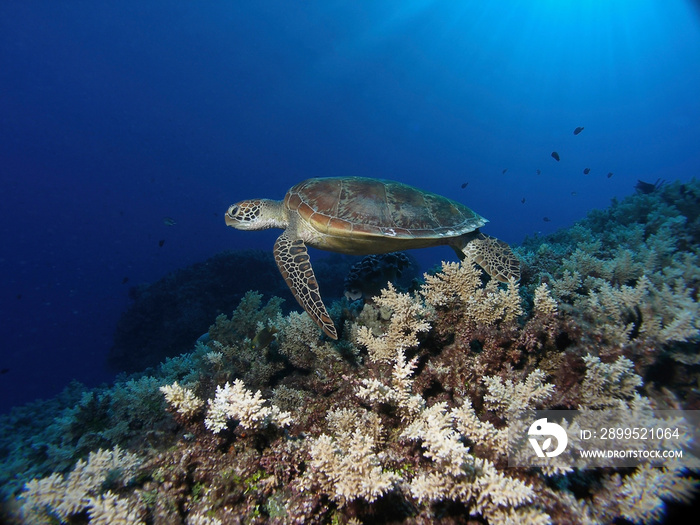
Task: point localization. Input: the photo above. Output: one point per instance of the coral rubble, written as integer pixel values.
(408, 417)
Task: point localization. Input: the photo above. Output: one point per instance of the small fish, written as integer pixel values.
(263, 338)
(465, 184)
(610, 174)
(522, 200)
(555, 156)
(578, 130)
(546, 219)
(19, 296)
(169, 221)
(538, 171)
(573, 194)
(504, 171)
(4, 371)
(586, 171)
(125, 280)
(161, 243)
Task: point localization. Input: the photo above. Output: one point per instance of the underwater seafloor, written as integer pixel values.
(402, 420)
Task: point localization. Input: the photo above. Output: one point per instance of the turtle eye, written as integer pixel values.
(232, 211)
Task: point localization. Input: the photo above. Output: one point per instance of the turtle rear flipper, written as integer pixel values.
(293, 262)
(493, 255)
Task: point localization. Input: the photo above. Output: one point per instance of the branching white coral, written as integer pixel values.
(662, 311)
(405, 323)
(543, 301)
(609, 306)
(344, 421)
(214, 358)
(407, 320)
(108, 509)
(671, 313)
(471, 427)
(399, 391)
(640, 496)
(65, 496)
(605, 383)
(457, 475)
(237, 402)
(182, 399)
(201, 519)
(496, 491)
(440, 441)
(297, 333)
(461, 283)
(567, 284)
(511, 399)
(455, 282)
(347, 466)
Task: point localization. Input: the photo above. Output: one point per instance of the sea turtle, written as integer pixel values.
(361, 216)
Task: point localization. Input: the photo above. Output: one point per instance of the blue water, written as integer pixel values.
(115, 115)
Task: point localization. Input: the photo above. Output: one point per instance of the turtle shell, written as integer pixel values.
(359, 207)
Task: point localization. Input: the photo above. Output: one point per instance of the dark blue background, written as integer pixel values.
(114, 115)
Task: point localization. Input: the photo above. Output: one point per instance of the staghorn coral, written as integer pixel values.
(455, 282)
(398, 392)
(108, 509)
(461, 283)
(183, 400)
(567, 284)
(474, 430)
(604, 384)
(236, 402)
(543, 301)
(346, 465)
(407, 321)
(631, 282)
(65, 496)
(510, 399)
(640, 497)
(457, 475)
(200, 519)
(301, 343)
(658, 315)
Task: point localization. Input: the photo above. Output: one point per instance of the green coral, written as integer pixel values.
(245, 319)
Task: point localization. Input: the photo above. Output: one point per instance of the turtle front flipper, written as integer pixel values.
(293, 261)
(493, 255)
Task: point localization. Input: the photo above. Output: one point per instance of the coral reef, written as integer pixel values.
(629, 275)
(410, 416)
(86, 488)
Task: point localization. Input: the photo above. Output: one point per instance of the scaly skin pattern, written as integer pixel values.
(294, 265)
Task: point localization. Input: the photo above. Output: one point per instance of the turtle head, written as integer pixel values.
(256, 214)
